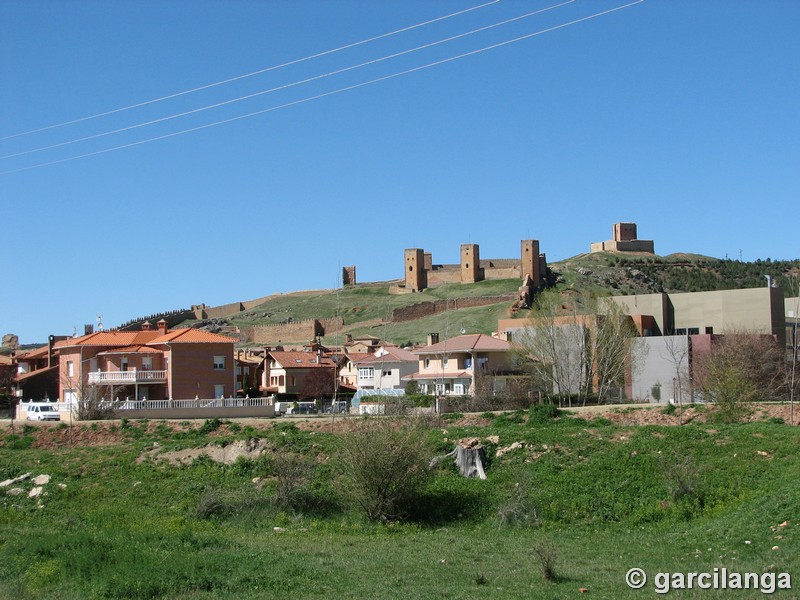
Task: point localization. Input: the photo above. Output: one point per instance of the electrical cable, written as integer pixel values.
(330, 93)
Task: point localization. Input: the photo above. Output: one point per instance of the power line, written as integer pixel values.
(286, 86)
(331, 93)
(254, 73)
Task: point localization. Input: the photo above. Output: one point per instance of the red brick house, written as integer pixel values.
(154, 364)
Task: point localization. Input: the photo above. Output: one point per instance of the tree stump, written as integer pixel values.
(470, 458)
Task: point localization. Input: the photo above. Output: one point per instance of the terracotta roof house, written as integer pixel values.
(37, 372)
(348, 372)
(156, 364)
(290, 372)
(453, 366)
(385, 368)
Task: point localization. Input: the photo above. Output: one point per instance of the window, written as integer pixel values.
(445, 361)
(366, 372)
(123, 364)
(468, 362)
(482, 362)
(70, 369)
(427, 363)
(386, 374)
(219, 363)
(219, 391)
(458, 388)
(147, 363)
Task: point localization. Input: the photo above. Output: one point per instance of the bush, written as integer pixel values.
(543, 413)
(385, 466)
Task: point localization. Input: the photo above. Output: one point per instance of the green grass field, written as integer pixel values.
(595, 499)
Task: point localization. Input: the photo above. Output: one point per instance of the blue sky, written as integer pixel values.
(683, 116)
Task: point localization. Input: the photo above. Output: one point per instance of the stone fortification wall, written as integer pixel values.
(503, 268)
(294, 331)
(172, 318)
(426, 309)
(201, 311)
(248, 304)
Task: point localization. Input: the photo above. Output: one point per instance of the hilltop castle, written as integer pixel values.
(623, 240)
(421, 272)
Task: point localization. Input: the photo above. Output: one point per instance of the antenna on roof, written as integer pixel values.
(99, 322)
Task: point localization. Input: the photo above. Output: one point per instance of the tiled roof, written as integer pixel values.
(192, 336)
(25, 376)
(358, 356)
(477, 342)
(289, 360)
(131, 350)
(110, 338)
(393, 354)
(40, 352)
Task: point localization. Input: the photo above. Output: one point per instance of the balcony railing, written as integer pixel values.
(132, 376)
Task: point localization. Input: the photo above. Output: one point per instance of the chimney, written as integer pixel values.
(146, 326)
(433, 338)
(162, 326)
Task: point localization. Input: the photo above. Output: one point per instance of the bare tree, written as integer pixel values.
(740, 368)
(90, 403)
(554, 346)
(577, 348)
(610, 349)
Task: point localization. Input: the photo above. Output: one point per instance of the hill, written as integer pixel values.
(368, 308)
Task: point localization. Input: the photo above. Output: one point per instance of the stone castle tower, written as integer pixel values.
(470, 263)
(415, 269)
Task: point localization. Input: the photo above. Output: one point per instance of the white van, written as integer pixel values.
(42, 411)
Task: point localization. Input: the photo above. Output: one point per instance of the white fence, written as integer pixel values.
(187, 406)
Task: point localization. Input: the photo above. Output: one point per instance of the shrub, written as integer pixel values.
(545, 553)
(518, 509)
(385, 466)
(293, 473)
(210, 425)
(543, 413)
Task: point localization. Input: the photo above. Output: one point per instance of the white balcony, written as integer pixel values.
(123, 377)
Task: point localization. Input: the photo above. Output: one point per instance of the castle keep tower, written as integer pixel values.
(530, 262)
(624, 232)
(470, 263)
(349, 275)
(415, 269)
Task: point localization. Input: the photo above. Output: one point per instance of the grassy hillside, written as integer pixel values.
(599, 498)
(367, 308)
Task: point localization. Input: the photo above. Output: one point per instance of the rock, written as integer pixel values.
(11, 340)
(515, 446)
(8, 482)
(472, 442)
(41, 480)
(278, 529)
(35, 492)
(493, 439)
(15, 491)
